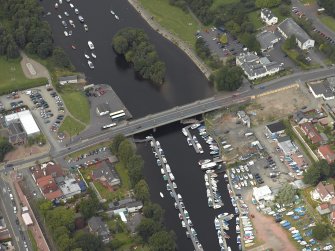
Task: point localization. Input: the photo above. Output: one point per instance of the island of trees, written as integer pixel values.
(134, 45)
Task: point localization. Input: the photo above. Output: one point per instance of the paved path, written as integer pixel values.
(168, 35)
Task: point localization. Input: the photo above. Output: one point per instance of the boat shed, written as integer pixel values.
(262, 193)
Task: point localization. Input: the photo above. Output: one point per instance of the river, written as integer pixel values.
(184, 84)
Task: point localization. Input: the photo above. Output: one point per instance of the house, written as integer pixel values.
(323, 209)
(268, 17)
(290, 28)
(99, 228)
(326, 153)
(321, 90)
(275, 129)
(301, 117)
(255, 67)
(323, 192)
(103, 109)
(68, 80)
(244, 118)
(262, 193)
(17, 135)
(49, 168)
(106, 175)
(49, 188)
(267, 40)
(129, 205)
(286, 145)
(69, 186)
(310, 131)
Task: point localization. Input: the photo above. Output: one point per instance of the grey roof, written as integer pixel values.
(290, 27)
(16, 133)
(106, 171)
(247, 57)
(276, 127)
(284, 139)
(322, 88)
(268, 13)
(98, 226)
(266, 39)
(68, 78)
(128, 202)
(103, 107)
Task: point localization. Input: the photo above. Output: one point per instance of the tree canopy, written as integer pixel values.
(162, 241)
(267, 3)
(329, 6)
(134, 45)
(286, 194)
(228, 78)
(5, 147)
(141, 191)
(321, 231)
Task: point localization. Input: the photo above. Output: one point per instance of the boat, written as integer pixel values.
(290, 213)
(195, 126)
(176, 205)
(188, 234)
(248, 241)
(168, 169)
(248, 228)
(184, 131)
(183, 223)
(189, 222)
(161, 194)
(203, 161)
(86, 56)
(237, 228)
(295, 232)
(174, 185)
(189, 141)
(116, 17)
(113, 13)
(179, 197)
(93, 55)
(168, 187)
(208, 165)
(171, 176)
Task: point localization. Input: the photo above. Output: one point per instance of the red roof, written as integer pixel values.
(327, 153)
(324, 206)
(324, 191)
(311, 132)
(51, 169)
(49, 187)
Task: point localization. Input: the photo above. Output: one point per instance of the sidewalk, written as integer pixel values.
(35, 228)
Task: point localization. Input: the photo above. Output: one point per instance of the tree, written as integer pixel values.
(88, 207)
(153, 211)
(60, 216)
(284, 10)
(60, 58)
(162, 241)
(44, 206)
(147, 228)
(312, 175)
(125, 151)
(64, 242)
(116, 143)
(228, 78)
(87, 241)
(321, 231)
(135, 166)
(250, 41)
(267, 3)
(5, 147)
(286, 194)
(141, 191)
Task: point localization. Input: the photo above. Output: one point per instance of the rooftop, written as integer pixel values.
(26, 118)
(276, 127)
(68, 78)
(267, 13)
(290, 27)
(322, 88)
(105, 172)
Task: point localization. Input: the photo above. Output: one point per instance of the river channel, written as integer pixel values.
(184, 84)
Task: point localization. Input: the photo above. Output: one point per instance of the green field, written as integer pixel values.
(77, 104)
(217, 3)
(71, 126)
(255, 19)
(328, 21)
(12, 77)
(172, 18)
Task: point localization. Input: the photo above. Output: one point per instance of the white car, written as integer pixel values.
(91, 45)
(71, 5)
(76, 11)
(66, 14)
(66, 34)
(90, 64)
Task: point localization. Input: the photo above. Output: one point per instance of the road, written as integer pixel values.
(181, 112)
(18, 235)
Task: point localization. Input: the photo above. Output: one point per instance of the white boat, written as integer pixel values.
(290, 213)
(295, 231)
(168, 187)
(116, 17)
(161, 194)
(194, 126)
(184, 131)
(168, 169)
(183, 223)
(245, 183)
(209, 165)
(162, 171)
(179, 197)
(174, 185)
(237, 228)
(248, 228)
(93, 55)
(86, 56)
(112, 12)
(171, 176)
(203, 161)
(248, 241)
(189, 141)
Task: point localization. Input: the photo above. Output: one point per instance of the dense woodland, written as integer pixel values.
(135, 46)
(329, 5)
(22, 28)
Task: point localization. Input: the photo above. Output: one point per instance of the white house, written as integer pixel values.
(268, 17)
(323, 192)
(68, 80)
(289, 28)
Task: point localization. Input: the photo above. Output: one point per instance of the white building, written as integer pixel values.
(321, 90)
(262, 193)
(268, 17)
(27, 121)
(69, 187)
(68, 80)
(290, 28)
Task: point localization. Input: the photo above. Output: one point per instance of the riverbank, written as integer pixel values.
(168, 35)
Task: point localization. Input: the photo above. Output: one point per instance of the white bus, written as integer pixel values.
(108, 126)
(118, 116)
(116, 113)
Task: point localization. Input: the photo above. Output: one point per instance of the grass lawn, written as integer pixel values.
(71, 126)
(88, 149)
(328, 21)
(255, 19)
(277, 13)
(180, 23)
(217, 3)
(77, 104)
(32, 240)
(12, 77)
(293, 54)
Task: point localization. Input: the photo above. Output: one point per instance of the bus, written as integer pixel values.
(118, 116)
(108, 126)
(116, 113)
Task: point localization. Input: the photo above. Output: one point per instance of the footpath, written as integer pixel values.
(168, 35)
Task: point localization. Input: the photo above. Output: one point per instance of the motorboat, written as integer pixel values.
(204, 161)
(162, 171)
(189, 141)
(184, 131)
(93, 55)
(116, 17)
(161, 194)
(112, 12)
(194, 126)
(174, 185)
